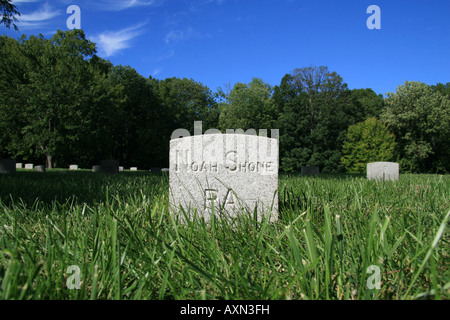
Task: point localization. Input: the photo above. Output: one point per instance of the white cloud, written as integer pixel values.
(37, 18)
(111, 42)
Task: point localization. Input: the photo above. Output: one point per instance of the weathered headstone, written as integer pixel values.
(19, 165)
(120, 169)
(165, 170)
(40, 168)
(7, 166)
(73, 167)
(96, 168)
(109, 166)
(383, 171)
(133, 169)
(29, 166)
(310, 171)
(232, 173)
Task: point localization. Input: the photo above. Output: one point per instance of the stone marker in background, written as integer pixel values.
(19, 165)
(73, 167)
(29, 166)
(310, 171)
(133, 169)
(96, 168)
(109, 166)
(7, 166)
(120, 169)
(383, 171)
(165, 170)
(40, 168)
(234, 173)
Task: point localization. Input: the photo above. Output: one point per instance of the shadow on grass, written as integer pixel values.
(58, 186)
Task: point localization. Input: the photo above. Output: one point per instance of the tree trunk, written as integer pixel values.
(49, 161)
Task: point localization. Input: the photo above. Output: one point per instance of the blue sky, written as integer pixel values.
(221, 42)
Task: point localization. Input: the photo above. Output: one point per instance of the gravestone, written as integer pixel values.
(96, 168)
(120, 169)
(310, 171)
(7, 166)
(109, 166)
(228, 173)
(40, 168)
(133, 169)
(29, 166)
(165, 170)
(383, 171)
(73, 167)
(19, 165)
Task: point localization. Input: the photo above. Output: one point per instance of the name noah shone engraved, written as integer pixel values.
(232, 173)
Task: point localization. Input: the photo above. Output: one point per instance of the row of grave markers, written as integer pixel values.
(375, 170)
(108, 166)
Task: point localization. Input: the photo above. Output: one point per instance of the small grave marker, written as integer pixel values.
(109, 166)
(383, 171)
(40, 168)
(310, 171)
(7, 166)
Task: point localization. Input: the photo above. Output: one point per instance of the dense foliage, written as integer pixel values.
(62, 104)
(366, 142)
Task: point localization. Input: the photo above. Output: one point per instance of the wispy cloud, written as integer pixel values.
(178, 35)
(23, 1)
(118, 5)
(165, 56)
(111, 42)
(157, 71)
(37, 18)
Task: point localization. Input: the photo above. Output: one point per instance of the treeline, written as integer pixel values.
(62, 104)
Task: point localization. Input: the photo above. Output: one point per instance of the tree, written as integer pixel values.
(181, 102)
(248, 106)
(312, 106)
(185, 101)
(56, 72)
(8, 11)
(444, 89)
(364, 104)
(420, 119)
(54, 96)
(367, 141)
(12, 76)
(137, 130)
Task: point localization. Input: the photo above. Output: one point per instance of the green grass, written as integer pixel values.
(117, 229)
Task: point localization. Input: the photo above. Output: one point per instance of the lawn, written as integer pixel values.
(336, 236)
